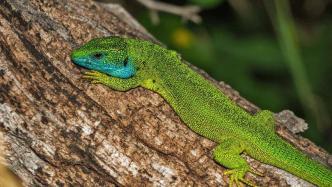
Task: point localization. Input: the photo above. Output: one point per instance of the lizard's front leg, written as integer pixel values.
(115, 83)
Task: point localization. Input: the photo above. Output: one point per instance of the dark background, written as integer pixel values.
(277, 54)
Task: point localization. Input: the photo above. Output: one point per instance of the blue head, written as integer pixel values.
(107, 55)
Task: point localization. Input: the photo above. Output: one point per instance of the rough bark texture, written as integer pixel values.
(61, 130)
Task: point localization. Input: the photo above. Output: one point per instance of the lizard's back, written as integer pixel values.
(201, 105)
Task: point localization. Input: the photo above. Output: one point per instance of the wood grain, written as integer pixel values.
(60, 130)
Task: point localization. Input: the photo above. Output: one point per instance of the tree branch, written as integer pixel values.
(189, 12)
(7, 178)
(61, 130)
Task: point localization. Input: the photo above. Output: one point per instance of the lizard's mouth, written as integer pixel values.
(81, 61)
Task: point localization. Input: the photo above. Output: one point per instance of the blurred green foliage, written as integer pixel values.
(240, 44)
(206, 3)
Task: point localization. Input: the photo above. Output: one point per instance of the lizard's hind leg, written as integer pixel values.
(228, 155)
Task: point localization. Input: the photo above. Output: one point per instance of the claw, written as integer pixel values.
(237, 183)
(248, 183)
(91, 73)
(256, 172)
(228, 172)
(95, 82)
(237, 176)
(93, 76)
(89, 77)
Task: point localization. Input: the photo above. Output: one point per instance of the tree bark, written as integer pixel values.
(60, 130)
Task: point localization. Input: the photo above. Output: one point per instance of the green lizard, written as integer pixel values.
(123, 64)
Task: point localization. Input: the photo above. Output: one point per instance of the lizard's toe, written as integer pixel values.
(237, 175)
(91, 73)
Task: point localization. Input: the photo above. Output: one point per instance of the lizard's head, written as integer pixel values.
(107, 55)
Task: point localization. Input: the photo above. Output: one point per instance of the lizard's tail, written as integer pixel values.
(296, 162)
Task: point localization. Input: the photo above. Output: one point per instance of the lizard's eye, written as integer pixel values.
(98, 56)
(125, 62)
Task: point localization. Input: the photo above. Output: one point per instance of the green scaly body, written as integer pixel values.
(202, 106)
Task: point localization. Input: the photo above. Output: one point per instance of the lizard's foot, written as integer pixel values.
(228, 154)
(95, 76)
(114, 83)
(237, 175)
